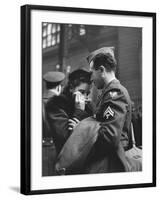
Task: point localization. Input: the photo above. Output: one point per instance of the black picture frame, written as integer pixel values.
(26, 86)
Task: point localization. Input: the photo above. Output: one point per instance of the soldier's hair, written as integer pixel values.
(107, 60)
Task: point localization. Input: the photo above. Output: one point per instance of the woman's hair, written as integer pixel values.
(76, 78)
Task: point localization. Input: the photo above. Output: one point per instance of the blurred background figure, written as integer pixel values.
(53, 81)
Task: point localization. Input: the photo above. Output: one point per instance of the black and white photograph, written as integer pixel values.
(92, 99)
(88, 99)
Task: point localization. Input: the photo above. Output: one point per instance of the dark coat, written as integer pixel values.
(59, 109)
(45, 127)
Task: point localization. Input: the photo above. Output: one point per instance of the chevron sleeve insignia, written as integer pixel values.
(108, 113)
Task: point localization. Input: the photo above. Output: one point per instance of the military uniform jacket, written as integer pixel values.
(114, 113)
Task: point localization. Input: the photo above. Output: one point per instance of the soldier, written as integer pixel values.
(114, 113)
(53, 82)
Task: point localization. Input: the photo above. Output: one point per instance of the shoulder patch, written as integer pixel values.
(113, 94)
(108, 113)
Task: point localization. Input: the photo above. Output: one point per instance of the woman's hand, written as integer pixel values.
(79, 100)
(72, 123)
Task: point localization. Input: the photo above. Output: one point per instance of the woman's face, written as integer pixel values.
(83, 88)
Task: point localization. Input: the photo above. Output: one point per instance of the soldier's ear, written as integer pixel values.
(102, 69)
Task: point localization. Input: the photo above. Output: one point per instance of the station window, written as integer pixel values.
(50, 34)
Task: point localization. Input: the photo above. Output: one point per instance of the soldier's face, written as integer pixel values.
(96, 76)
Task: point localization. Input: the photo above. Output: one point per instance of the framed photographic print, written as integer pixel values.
(88, 99)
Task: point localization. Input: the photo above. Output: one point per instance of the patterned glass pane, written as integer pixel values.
(58, 38)
(49, 40)
(44, 43)
(53, 28)
(49, 29)
(58, 27)
(44, 32)
(53, 40)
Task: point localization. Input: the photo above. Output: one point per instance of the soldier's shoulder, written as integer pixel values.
(113, 93)
(116, 88)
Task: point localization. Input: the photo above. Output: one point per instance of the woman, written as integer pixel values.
(65, 111)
